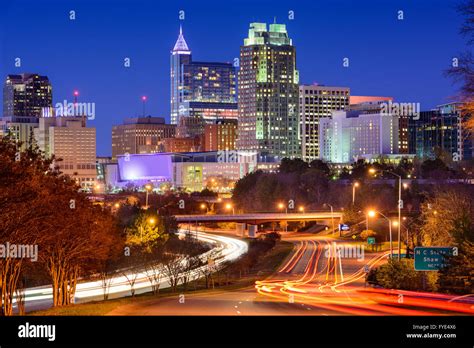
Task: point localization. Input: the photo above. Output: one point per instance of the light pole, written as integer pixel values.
(332, 216)
(301, 209)
(204, 206)
(147, 189)
(373, 171)
(354, 185)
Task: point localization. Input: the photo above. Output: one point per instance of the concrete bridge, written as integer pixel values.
(257, 218)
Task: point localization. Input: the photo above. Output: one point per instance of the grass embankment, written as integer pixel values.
(266, 266)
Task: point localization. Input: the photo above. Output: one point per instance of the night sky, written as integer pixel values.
(404, 59)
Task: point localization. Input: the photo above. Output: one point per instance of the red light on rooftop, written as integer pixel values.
(76, 93)
(144, 98)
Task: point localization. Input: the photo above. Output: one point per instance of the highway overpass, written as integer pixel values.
(257, 218)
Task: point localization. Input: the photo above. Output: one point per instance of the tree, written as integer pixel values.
(462, 71)
(447, 218)
(148, 231)
(458, 276)
(289, 165)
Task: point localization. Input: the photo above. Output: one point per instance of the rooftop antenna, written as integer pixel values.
(274, 20)
(144, 98)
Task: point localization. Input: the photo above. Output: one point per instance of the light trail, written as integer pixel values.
(224, 249)
(347, 296)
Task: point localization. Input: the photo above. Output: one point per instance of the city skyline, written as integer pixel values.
(418, 72)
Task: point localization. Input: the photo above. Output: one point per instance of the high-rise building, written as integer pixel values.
(69, 139)
(26, 95)
(344, 139)
(375, 105)
(140, 135)
(203, 90)
(19, 128)
(440, 131)
(220, 136)
(179, 144)
(268, 92)
(316, 102)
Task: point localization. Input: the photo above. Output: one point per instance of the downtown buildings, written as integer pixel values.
(316, 102)
(345, 139)
(268, 92)
(202, 91)
(140, 135)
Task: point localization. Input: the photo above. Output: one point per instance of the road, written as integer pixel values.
(224, 249)
(322, 276)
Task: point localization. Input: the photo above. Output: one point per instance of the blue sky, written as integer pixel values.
(404, 59)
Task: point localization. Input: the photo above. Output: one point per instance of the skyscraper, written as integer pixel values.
(26, 95)
(268, 92)
(316, 102)
(202, 90)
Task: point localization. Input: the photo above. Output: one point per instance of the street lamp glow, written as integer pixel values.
(148, 187)
(116, 205)
(281, 205)
(395, 223)
(356, 184)
(301, 209)
(405, 185)
(371, 213)
(203, 206)
(151, 221)
(372, 170)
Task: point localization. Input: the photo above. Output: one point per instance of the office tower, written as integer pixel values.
(440, 131)
(19, 128)
(26, 95)
(268, 92)
(140, 135)
(374, 105)
(220, 136)
(344, 139)
(69, 139)
(316, 102)
(202, 90)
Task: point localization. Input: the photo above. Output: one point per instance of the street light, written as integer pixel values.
(204, 206)
(373, 213)
(372, 170)
(354, 185)
(229, 206)
(332, 217)
(301, 209)
(281, 206)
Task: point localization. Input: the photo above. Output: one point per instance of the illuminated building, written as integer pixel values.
(344, 139)
(20, 128)
(440, 130)
(220, 136)
(317, 101)
(140, 135)
(179, 144)
(188, 171)
(203, 90)
(26, 95)
(69, 139)
(268, 92)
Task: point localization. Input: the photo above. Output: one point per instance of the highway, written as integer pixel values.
(311, 281)
(224, 249)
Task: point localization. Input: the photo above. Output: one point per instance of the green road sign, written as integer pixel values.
(432, 258)
(371, 240)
